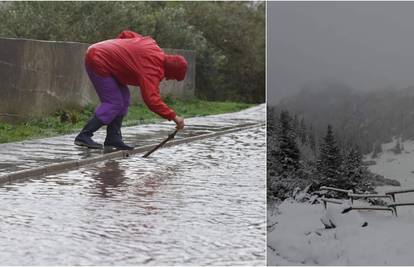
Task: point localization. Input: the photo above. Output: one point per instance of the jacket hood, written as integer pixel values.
(175, 67)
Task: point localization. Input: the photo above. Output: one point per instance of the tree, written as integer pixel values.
(229, 37)
(272, 142)
(312, 141)
(287, 153)
(295, 124)
(330, 160)
(354, 170)
(236, 32)
(303, 132)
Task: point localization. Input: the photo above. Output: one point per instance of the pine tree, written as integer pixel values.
(312, 141)
(354, 170)
(272, 170)
(330, 160)
(287, 153)
(295, 124)
(303, 132)
(272, 142)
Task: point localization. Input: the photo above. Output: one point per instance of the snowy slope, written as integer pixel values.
(399, 167)
(298, 236)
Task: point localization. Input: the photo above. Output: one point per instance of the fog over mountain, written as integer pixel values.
(366, 45)
(340, 94)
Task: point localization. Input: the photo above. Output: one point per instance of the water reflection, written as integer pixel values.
(109, 176)
(85, 153)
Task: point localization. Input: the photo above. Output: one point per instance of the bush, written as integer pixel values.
(229, 37)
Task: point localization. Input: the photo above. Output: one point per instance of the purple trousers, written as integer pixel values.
(115, 97)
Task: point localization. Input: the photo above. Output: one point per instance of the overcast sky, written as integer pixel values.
(368, 45)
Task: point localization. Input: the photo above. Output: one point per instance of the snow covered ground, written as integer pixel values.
(399, 167)
(298, 237)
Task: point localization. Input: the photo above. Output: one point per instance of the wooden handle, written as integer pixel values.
(170, 136)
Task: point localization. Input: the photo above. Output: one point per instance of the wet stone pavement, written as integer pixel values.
(200, 203)
(40, 152)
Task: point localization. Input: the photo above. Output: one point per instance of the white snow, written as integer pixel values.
(299, 237)
(399, 167)
(333, 216)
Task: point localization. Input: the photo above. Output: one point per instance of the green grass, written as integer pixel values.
(70, 121)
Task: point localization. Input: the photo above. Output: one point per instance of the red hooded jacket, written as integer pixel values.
(137, 60)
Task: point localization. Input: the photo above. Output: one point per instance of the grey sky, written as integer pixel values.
(368, 45)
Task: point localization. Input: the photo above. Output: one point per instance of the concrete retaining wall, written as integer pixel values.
(39, 77)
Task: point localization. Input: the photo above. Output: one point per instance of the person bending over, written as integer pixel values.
(130, 59)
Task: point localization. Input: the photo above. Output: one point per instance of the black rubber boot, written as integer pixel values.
(84, 137)
(113, 138)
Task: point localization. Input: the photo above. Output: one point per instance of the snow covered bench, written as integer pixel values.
(395, 192)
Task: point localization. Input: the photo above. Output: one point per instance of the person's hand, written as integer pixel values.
(180, 122)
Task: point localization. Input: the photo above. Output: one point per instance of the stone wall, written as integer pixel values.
(39, 77)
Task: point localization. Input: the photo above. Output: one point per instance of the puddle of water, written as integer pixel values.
(201, 203)
(39, 152)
